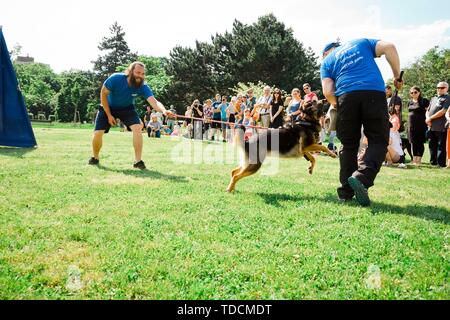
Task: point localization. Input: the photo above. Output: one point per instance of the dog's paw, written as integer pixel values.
(230, 190)
(310, 170)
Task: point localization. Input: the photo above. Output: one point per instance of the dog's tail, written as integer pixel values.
(239, 136)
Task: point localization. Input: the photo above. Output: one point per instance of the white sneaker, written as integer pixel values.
(402, 166)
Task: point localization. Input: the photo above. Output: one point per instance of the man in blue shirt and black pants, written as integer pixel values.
(117, 99)
(353, 83)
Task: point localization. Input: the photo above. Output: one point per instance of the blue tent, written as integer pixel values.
(15, 126)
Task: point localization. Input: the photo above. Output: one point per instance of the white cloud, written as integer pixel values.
(66, 34)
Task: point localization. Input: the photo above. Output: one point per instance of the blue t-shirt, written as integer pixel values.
(216, 105)
(294, 107)
(353, 68)
(223, 111)
(121, 94)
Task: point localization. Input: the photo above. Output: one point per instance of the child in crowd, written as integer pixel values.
(154, 127)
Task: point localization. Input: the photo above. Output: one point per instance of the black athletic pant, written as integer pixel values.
(418, 149)
(437, 145)
(356, 109)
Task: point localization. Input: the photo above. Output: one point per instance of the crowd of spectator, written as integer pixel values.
(216, 118)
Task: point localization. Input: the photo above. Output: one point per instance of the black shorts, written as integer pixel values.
(231, 119)
(128, 116)
(216, 125)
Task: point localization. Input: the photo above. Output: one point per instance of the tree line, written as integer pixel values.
(265, 52)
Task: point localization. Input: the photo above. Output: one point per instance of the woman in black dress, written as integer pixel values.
(276, 110)
(417, 108)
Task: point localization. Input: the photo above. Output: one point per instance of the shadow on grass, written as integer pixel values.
(146, 174)
(276, 199)
(423, 166)
(15, 152)
(427, 212)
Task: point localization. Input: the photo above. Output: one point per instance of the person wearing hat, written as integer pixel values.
(353, 84)
(435, 119)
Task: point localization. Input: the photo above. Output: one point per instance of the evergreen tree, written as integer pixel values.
(115, 53)
(265, 51)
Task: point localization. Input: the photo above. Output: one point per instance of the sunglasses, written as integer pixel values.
(305, 88)
(441, 88)
(414, 92)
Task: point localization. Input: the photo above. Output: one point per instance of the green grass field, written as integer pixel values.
(73, 231)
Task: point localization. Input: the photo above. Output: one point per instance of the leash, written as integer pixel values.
(300, 123)
(217, 121)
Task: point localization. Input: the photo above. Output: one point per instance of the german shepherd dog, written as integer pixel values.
(296, 139)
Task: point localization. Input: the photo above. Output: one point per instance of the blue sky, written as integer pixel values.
(400, 13)
(65, 34)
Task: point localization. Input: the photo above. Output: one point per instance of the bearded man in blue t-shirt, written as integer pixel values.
(117, 100)
(352, 82)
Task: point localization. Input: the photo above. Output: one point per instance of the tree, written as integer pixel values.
(266, 51)
(427, 71)
(77, 92)
(116, 53)
(39, 85)
(194, 74)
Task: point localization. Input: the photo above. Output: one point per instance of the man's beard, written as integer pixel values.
(135, 81)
